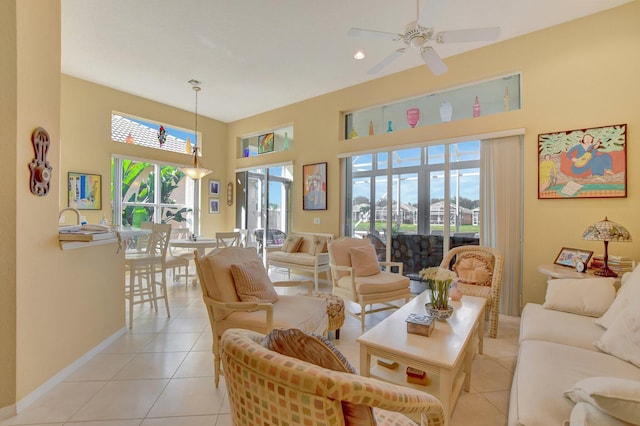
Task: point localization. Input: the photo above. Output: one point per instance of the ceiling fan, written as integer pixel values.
(420, 32)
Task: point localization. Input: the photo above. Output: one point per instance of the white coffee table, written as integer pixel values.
(446, 355)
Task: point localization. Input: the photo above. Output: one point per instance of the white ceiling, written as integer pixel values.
(256, 55)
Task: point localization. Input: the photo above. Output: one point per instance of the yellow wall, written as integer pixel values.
(8, 134)
(576, 75)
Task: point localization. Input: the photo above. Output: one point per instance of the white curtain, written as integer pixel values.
(501, 212)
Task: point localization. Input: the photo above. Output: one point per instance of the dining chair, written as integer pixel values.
(228, 239)
(358, 276)
(142, 265)
(179, 258)
(244, 234)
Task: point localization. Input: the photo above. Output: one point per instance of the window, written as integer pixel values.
(151, 191)
(431, 190)
(137, 131)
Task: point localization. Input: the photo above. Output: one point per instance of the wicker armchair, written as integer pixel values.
(266, 387)
(479, 269)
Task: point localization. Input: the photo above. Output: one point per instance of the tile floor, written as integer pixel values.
(160, 373)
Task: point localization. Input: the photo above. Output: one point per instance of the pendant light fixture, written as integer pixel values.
(196, 172)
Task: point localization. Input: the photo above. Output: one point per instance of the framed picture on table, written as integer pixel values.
(571, 256)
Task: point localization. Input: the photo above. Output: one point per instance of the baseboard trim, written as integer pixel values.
(64, 373)
(7, 412)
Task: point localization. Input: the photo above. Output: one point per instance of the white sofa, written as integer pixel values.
(309, 254)
(561, 377)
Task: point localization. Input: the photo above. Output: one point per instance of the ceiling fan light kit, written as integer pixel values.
(420, 33)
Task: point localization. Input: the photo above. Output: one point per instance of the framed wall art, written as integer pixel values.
(266, 143)
(584, 163)
(214, 187)
(314, 179)
(214, 205)
(85, 191)
(571, 256)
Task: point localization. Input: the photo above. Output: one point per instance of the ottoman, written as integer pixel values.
(335, 311)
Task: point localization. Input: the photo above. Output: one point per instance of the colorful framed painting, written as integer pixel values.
(214, 187)
(214, 205)
(314, 179)
(85, 191)
(266, 143)
(584, 163)
(571, 256)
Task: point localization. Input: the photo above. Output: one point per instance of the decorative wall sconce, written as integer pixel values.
(40, 167)
(229, 193)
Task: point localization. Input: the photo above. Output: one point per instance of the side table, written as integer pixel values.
(553, 270)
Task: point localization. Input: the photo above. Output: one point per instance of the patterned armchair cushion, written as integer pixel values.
(474, 269)
(252, 282)
(321, 352)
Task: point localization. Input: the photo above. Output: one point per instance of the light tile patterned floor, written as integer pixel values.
(160, 373)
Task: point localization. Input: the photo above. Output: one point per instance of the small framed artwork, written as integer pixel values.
(85, 191)
(571, 256)
(266, 143)
(214, 205)
(214, 187)
(314, 179)
(583, 163)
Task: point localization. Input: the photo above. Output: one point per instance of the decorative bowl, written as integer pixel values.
(439, 314)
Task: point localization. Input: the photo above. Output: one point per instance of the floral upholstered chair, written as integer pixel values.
(479, 271)
(266, 386)
(238, 293)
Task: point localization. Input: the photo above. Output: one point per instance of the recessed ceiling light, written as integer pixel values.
(359, 55)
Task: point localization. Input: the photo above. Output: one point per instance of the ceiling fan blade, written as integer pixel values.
(433, 60)
(429, 11)
(359, 32)
(474, 34)
(386, 61)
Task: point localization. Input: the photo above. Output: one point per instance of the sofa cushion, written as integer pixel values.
(474, 268)
(364, 261)
(302, 259)
(628, 294)
(582, 296)
(319, 351)
(291, 243)
(252, 282)
(537, 323)
(617, 397)
(546, 370)
(317, 246)
(622, 338)
(585, 414)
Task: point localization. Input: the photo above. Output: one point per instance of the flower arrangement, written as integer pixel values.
(439, 280)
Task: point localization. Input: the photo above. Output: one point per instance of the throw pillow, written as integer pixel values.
(291, 244)
(252, 282)
(585, 414)
(364, 261)
(622, 339)
(620, 398)
(582, 296)
(474, 269)
(628, 292)
(319, 245)
(317, 350)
